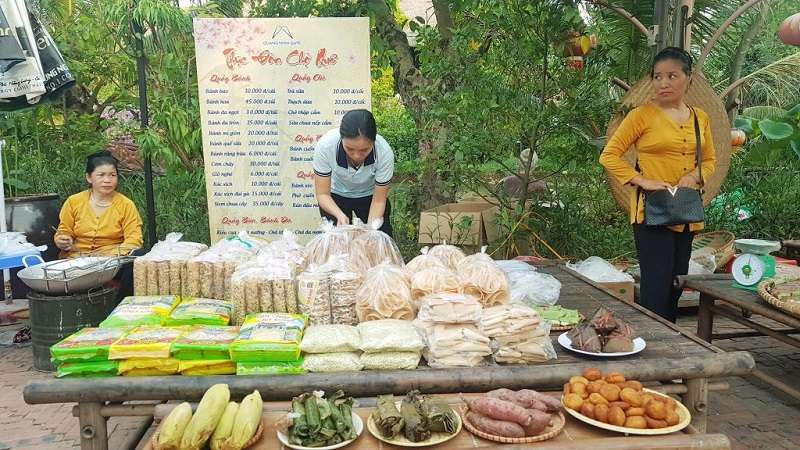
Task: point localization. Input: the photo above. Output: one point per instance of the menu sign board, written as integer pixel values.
(269, 89)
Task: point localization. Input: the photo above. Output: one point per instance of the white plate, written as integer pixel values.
(566, 342)
(683, 414)
(358, 424)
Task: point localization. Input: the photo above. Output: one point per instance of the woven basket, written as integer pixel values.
(555, 427)
(256, 437)
(791, 307)
(700, 94)
(721, 244)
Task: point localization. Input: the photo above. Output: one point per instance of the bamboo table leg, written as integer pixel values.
(94, 433)
(705, 317)
(696, 400)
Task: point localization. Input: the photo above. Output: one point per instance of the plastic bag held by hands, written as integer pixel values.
(378, 246)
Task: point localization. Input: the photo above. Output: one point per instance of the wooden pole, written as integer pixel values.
(371, 383)
(93, 427)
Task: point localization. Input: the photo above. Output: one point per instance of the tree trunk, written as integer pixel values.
(741, 51)
(409, 82)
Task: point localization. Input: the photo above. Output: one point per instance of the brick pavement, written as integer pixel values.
(753, 415)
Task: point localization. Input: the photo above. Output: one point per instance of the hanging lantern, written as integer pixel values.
(789, 31)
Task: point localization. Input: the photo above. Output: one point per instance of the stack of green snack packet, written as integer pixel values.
(205, 350)
(269, 344)
(85, 353)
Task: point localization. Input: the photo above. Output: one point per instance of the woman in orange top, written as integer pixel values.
(100, 220)
(663, 132)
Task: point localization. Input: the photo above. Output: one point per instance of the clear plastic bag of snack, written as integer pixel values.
(389, 335)
(141, 310)
(449, 308)
(378, 246)
(160, 271)
(509, 319)
(286, 247)
(385, 294)
(332, 241)
(331, 339)
(314, 295)
(434, 280)
(332, 362)
(269, 337)
(200, 311)
(390, 360)
(450, 255)
(146, 342)
(86, 345)
(528, 286)
(485, 281)
(205, 342)
(480, 256)
(423, 261)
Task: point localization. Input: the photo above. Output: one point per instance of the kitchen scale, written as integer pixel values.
(755, 263)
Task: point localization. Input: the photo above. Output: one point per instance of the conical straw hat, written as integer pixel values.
(700, 95)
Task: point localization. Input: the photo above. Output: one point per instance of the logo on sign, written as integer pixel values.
(282, 30)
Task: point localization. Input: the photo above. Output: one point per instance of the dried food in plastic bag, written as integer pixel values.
(389, 335)
(314, 296)
(507, 320)
(434, 281)
(141, 310)
(530, 350)
(271, 368)
(528, 286)
(344, 287)
(330, 339)
(205, 342)
(90, 369)
(269, 337)
(378, 246)
(146, 367)
(88, 344)
(449, 308)
(207, 367)
(200, 311)
(485, 281)
(146, 342)
(423, 261)
(480, 256)
(331, 241)
(450, 255)
(384, 294)
(390, 360)
(332, 362)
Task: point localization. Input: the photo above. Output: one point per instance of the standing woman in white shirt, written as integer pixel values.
(353, 167)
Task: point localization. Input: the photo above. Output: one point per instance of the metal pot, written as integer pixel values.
(69, 276)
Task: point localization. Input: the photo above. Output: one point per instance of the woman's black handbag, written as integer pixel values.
(679, 205)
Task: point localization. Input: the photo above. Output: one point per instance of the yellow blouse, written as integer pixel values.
(117, 231)
(666, 152)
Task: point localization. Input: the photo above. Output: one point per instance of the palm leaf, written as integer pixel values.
(774, 84)
(764, 112)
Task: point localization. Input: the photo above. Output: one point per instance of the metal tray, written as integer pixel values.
(68, 276)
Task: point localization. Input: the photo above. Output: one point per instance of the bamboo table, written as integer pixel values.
(719, 297)
(671, 354)
(575, 435)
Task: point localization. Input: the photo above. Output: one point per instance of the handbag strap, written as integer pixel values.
(698, 151)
